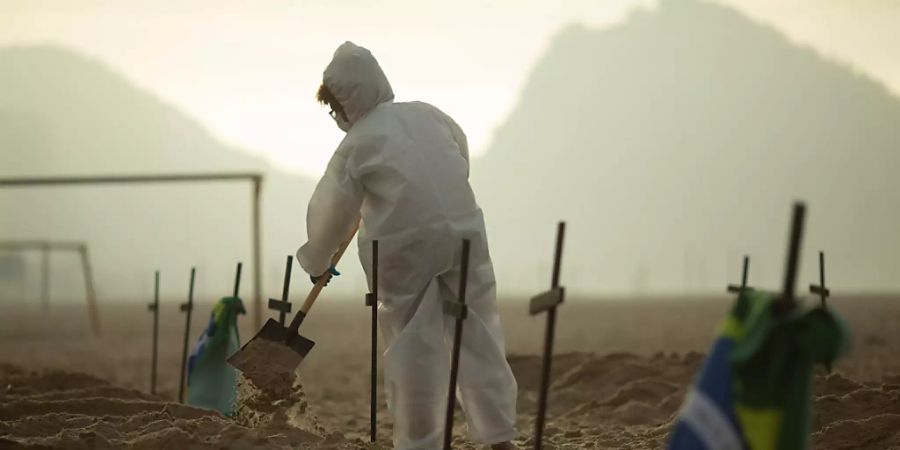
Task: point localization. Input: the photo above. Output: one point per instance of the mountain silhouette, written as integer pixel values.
(675, 142)
(62, 113)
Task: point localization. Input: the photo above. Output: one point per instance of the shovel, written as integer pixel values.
(289, 337)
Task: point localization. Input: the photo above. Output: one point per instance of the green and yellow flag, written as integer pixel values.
(754, 391)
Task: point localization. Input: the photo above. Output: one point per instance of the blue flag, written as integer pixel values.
(212, 382)
(707, 420)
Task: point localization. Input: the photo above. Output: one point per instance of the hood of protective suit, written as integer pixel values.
(357, 81)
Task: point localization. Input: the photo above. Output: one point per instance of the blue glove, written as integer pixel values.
(332, 270)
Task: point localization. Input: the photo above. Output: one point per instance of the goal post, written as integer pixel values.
(254, 178)
(45, 248)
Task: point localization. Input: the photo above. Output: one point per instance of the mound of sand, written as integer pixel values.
(851, 415)
(58, 410)
(618, 400)
(626, 401)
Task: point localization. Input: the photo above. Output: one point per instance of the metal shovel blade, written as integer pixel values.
(272, 342)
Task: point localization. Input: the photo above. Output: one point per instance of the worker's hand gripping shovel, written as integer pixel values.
(294, 347)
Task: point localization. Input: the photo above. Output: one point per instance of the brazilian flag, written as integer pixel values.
(212, 382)
(754, 391)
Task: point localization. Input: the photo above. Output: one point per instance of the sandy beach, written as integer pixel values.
(621, 370)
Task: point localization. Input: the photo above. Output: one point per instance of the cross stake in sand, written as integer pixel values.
(283, 306)
(548, 301)
(237, 287)
(155, 308)
(237, 281)
(787, 301)
(739, 289)
(459, 311)
(186, 307)
(820, 289)
(372, 302)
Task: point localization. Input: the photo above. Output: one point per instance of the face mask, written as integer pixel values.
(343, 124)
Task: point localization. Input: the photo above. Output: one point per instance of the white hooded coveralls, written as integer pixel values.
(403, 167)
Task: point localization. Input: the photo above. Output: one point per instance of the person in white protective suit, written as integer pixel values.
(403, 168)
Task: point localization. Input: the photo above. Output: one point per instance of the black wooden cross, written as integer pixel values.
(283, 306)
(738, 289)
(787, 301)
(459, 310)
(237, 286)
(372, 302)
(155, 308)
(186, 307)
(548, 301)
(820, 289)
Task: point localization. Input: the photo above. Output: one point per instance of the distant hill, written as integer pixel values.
(675, 142)
(62, 113)
(75, 115)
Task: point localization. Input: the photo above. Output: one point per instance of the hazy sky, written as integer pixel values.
(248, 70)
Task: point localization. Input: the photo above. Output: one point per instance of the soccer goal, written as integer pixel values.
(46, 247)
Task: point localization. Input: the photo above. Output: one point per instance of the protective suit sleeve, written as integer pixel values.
(333, 212)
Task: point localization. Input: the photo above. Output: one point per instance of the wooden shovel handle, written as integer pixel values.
(323, 280)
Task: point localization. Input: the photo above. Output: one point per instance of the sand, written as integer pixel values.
(270, 393)
(612, 401)
(269, 364)
(60, 410)
(73, 391)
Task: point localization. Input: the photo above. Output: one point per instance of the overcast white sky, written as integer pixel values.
(248, 70)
